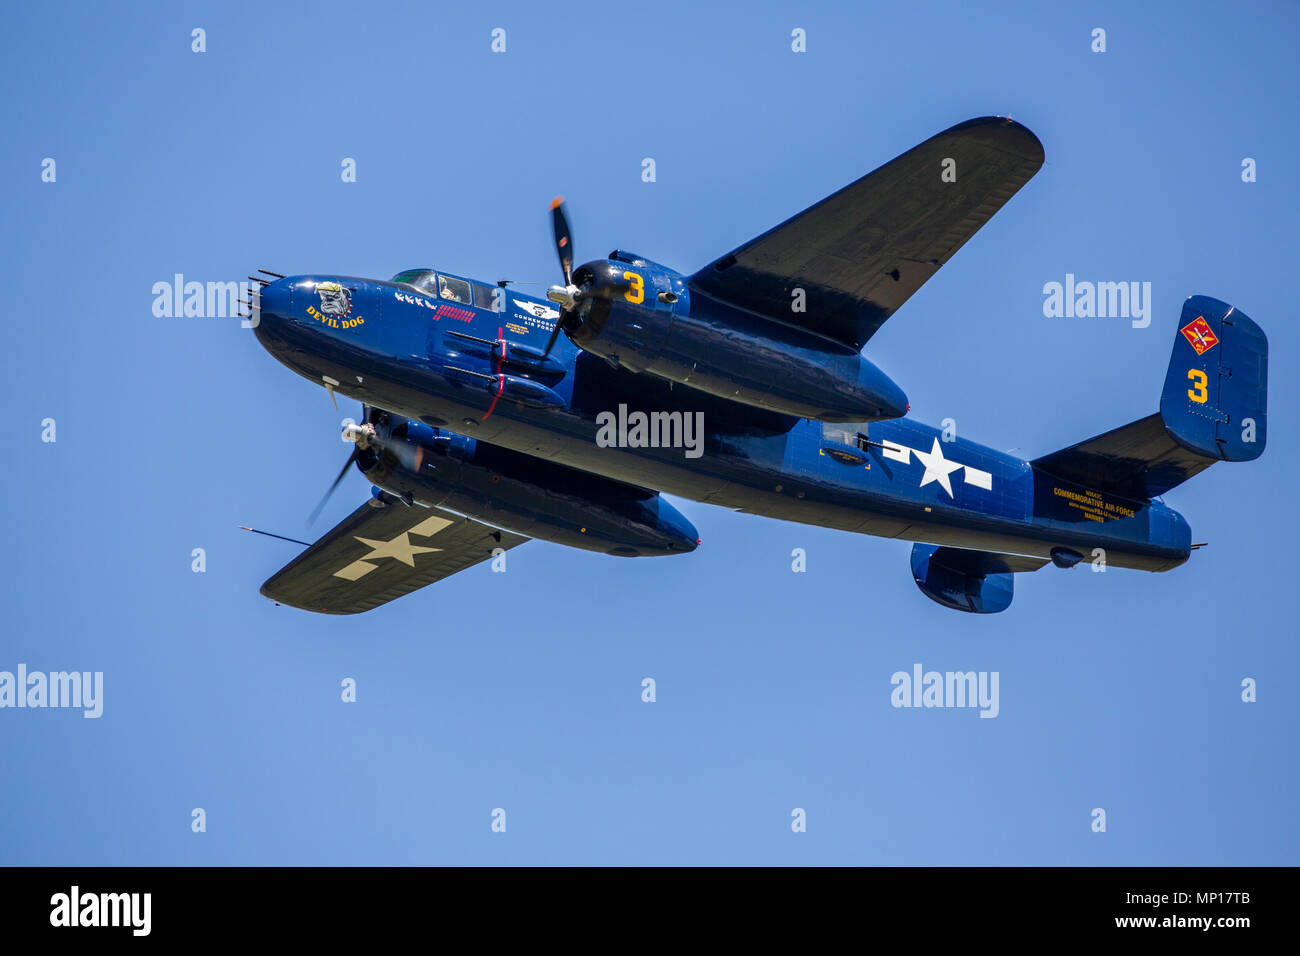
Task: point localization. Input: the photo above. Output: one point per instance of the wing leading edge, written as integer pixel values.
(378, 554)
(860, 253)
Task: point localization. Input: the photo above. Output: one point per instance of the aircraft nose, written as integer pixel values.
(273, 312)
(275, 300)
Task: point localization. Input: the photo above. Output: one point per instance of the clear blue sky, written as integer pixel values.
(522, 691)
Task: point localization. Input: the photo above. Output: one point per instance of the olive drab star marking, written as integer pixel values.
(398, 548)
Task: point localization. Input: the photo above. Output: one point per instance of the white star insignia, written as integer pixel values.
(937, 468)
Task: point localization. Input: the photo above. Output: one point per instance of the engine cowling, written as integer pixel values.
(526, 495)
(642, 316)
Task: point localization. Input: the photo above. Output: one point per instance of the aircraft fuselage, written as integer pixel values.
(475, 369)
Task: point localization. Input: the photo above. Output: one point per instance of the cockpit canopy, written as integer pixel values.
(451, 288)
(426, 280)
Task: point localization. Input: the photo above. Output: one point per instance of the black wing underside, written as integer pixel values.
(860, 253)
(375, 555)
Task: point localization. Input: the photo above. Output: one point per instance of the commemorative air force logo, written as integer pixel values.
(334, 299)
(537, 310)
(1200, 335)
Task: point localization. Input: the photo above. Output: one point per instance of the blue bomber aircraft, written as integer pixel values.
(742, 385)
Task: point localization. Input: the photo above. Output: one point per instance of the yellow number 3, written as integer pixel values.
(1200, 391)
(636, 292)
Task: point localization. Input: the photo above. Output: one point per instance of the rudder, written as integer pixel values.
(1215, 398)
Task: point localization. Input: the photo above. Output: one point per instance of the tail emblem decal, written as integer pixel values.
(1200, 335)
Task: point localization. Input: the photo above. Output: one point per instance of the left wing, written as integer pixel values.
(377, 554)
(860, 253)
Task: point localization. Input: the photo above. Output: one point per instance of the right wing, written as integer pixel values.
(377, 554)
(860, 253)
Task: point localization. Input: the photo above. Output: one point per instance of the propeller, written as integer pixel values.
(356, 453)
(568, 295)
(357, 449)
(367, 439)
(563, 238)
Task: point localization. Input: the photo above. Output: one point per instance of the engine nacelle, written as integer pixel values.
(643, 317)
(526, 495)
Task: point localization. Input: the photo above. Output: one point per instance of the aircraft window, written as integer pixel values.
(422, 279)
(838, 434)
(490, 297)
(456, 290)
(853, 434)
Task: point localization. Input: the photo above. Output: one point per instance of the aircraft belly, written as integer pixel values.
(989, 500)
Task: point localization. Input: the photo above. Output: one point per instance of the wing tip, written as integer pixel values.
(1006, 134)
(280, 599)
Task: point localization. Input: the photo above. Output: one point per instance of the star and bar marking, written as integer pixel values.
(937, 467)
(399, 548)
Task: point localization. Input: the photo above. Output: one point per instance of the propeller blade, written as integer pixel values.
(555, 334)
(563, 238)
(356, 452)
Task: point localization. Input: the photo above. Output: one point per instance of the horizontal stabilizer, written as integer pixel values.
(1138, 460)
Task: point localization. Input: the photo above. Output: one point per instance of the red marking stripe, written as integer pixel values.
(501, 387)
(501, 379)
(451, 312)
